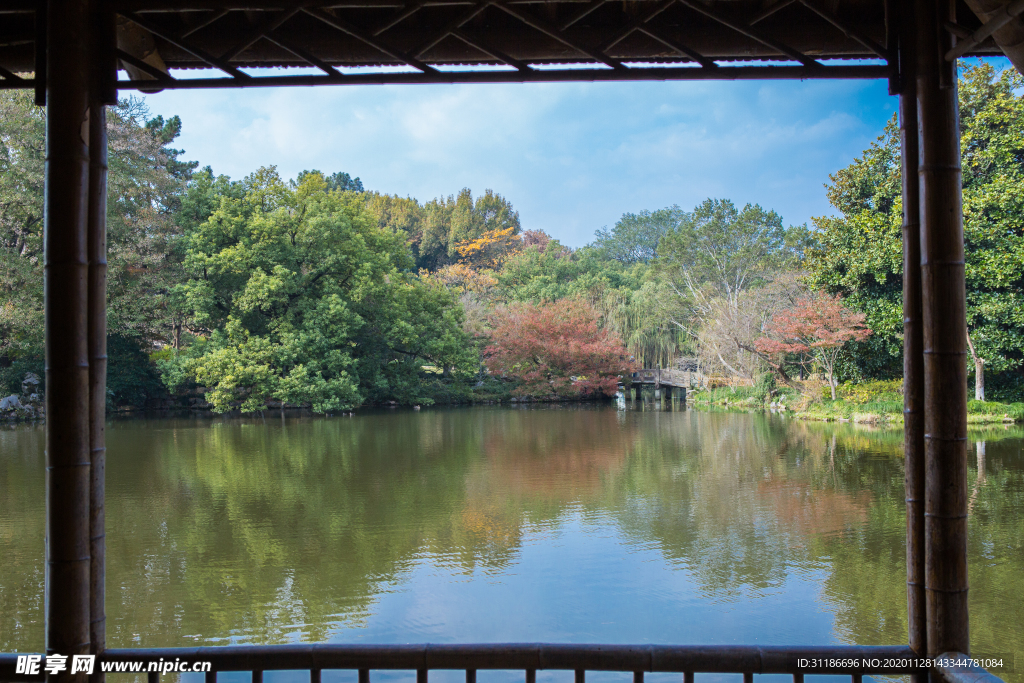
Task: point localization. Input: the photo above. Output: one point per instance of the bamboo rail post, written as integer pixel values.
(944, 333)
(67, 358)
(913, 351)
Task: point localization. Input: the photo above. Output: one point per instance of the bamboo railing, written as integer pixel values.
(855, 661)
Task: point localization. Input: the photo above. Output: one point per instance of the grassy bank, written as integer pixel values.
(867, 402)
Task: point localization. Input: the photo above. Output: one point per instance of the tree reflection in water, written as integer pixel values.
(245, 530)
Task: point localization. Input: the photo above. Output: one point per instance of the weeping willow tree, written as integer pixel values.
(645, 326)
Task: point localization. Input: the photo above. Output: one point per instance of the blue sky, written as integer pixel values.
(571, 158)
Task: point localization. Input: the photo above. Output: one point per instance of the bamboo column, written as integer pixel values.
(103, 82)
(944, 333)
(913, 358)
(97, 241)
(67, 359)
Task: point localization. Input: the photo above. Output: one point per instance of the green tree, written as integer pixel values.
(22, 155)
(720, 251)
(552, 272)
(399, 214)
(145, 182)
(635, 237)
(860, 255)
(202, 197)
(860, 252)
(643, 319)
(300, 297)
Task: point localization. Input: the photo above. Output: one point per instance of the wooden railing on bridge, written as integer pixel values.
(666, 377)
(685, 378)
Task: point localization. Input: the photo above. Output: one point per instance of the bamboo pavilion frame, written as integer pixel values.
(71, 52)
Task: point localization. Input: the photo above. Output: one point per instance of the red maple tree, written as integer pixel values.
(819, 327)
(556, 348)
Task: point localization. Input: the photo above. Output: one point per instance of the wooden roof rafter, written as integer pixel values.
(459, 41)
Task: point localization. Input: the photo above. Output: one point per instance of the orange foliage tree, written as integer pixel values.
(818, 327)
(558, 348)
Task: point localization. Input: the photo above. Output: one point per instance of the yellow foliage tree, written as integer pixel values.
(490, 249)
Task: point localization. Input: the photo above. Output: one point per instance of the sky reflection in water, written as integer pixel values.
(572, 524)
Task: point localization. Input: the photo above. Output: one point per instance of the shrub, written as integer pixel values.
(765, 385)
(166, 353)
(886, 390)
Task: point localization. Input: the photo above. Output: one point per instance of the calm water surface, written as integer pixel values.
(568, 524)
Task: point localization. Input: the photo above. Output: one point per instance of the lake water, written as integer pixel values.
(564, 524)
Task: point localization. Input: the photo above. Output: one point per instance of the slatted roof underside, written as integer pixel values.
(450, 40)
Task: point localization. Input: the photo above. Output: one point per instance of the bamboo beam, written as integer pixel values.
(998, 19)
(751, 33)
(913, 350)
(633, 25)
(271, 24)
(67, 359)
(684, 50)
(182, 44)
(39, 53)
(582, 13)
(399, 16)
(305, 55)
(730, 73)
(944, 333)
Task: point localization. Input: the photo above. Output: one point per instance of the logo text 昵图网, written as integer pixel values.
(34, 665)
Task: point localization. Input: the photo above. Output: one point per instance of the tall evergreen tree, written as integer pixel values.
(860, 252)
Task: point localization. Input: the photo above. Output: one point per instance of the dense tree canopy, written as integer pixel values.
(555, 272)
(860, 253)
(298, 296)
